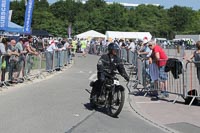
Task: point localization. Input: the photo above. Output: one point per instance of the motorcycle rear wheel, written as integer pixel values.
(116, 103)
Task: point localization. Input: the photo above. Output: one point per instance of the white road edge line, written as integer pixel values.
(150, 102)
(93, 77)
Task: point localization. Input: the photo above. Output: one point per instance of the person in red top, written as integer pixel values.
(159, 56)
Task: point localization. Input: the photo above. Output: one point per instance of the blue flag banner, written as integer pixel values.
(4, 13)
(28, 16)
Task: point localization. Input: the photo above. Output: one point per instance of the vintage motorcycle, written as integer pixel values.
(111, 97)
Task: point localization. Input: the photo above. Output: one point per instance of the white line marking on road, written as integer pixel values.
(90, 71)
(150, 102)
(76, 115)
(93, 77)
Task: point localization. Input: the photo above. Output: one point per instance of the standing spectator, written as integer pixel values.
(92, 46)
(49, 55)
(59, 54)
(3, 44)
(159, 56)
(144, 50)
(164, 44)
(123, 51)
(31, 51)
(196, 56)
(78, 50)
(40, 44)
(74, 47)
(22, 52)
(68, 46)
(105, 44)
(14, 58)
(83, 47)
(132, 48)
(28, 47)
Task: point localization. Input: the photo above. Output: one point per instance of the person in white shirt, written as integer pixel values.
(49, 55)
(68, 47)
(132, 56)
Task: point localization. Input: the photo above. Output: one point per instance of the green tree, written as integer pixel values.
(194, 26)
(80, 26)
(47, 21)
(41, 5)
(90, 5)
(66, 10)
(115, 17)
(132, 19)
(18, 8)
(180, 18)
(153, 19)
(97, 15)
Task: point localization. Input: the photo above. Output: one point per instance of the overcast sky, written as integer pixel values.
(195, 4)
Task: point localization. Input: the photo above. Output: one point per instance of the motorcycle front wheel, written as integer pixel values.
(116, 103)
(93, 98)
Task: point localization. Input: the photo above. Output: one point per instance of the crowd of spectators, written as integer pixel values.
(154, 54)
(14, 57)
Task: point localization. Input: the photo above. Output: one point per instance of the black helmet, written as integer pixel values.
(113, 46)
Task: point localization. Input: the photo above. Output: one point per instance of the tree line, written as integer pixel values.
(97, 15)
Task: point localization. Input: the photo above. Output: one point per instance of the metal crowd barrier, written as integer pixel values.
(34, 65)
(192, 80)
(60, 59)
(176, 79)
(123, 54)
(98, 49)
(147, 75)
(142, 76)
(44, 63)
(182, 80)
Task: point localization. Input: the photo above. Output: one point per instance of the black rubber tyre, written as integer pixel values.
(116, 103)
(93, 99)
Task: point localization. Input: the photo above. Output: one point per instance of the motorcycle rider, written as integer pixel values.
(107, 64)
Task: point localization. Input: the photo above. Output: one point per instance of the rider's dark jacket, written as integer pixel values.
(110, 64)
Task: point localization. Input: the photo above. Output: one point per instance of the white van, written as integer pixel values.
(162, 42)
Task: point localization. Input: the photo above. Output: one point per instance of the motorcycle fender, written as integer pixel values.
(92, 83)
(120, 87)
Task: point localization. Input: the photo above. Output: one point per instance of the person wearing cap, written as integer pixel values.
(144, 51)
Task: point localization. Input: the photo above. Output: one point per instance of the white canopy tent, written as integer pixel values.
(127, 35)
(90, 34)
